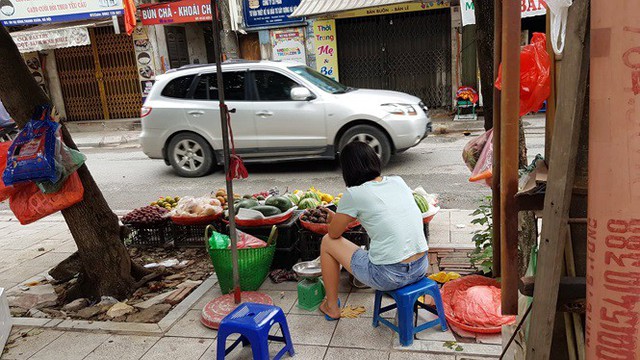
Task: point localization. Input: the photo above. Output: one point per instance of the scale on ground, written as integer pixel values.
(310, 287)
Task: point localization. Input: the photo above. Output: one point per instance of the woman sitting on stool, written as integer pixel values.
(385, 207)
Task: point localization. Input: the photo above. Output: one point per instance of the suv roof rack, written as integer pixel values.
(195, 66)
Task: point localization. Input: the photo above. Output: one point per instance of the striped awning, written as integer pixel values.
(312, 8)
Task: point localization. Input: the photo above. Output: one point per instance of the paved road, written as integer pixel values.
(129, 179)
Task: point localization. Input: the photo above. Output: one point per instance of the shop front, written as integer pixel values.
(78, 55)
(368, 46)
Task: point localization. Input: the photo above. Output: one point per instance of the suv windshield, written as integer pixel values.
(325, 83)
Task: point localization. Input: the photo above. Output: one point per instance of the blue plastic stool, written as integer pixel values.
(407, 303)
(253, 322)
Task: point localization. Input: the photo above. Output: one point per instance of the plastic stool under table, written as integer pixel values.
(253, 322)
(407, 302)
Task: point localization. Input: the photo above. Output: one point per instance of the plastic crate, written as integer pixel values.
(286, 258)
(310, 241)
(189, 235)
(150, 236)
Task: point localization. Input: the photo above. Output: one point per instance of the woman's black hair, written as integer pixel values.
(359, 163)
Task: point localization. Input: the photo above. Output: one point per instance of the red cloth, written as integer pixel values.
(129, 16)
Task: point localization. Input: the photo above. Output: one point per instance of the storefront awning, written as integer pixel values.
(320, 7)
(55, 36)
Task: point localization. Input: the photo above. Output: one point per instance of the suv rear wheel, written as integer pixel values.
(373, 137)
(190, 155)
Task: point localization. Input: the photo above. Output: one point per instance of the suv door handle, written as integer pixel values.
(196, 113)
(264, 113)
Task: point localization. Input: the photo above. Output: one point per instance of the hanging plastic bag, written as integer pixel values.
(5, 191)
(484, 167)
(69, 161)
(559, 11)
(473, 149)
(29, 204)
(535, 83)
(33, 154)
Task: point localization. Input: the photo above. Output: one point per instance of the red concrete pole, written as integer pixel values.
(613, 240)
(509, 153)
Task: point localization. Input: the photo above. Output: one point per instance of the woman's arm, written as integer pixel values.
(338, 223)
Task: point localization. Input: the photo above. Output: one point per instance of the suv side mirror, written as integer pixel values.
(300, 93)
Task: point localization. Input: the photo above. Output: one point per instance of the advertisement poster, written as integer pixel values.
(28, 41)
(144, 59)
(266, 13)
(289, 45)
(25, 12)
(393, 9)
(529, 8)
(326, 48)
(177, 12)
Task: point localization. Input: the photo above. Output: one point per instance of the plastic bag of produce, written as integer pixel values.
(473, 149)
(535, 82)
(29, 204)
(246, 241)
(472, 303)
(483, 172)
(33, 155)
(70, 160)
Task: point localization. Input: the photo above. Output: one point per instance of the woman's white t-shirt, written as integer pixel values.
(387, 210)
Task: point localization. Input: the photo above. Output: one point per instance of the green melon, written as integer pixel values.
(281, 202)
(267, 210)
(311, 195)
(308, 203)
(295, 199)
(422, 203)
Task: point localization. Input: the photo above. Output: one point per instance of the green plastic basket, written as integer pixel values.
(253, 266)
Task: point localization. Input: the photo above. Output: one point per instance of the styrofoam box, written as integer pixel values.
(5, 319)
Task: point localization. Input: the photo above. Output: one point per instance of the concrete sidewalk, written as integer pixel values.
(27, 252)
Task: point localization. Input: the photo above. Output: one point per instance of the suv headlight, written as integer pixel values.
(400, 109)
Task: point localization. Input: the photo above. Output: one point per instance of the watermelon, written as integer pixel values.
(281, 202)
(246, 204)
(267, 210)
(308, 203)
(311, 195)
(295, 199)
(422, 203)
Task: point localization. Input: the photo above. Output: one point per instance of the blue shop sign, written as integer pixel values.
(269, 13)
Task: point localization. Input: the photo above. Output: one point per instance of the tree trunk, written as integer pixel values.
(106, 268)
(484, 36)
(229, 39)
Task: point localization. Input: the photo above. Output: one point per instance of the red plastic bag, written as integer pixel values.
(5, 191)
(483, 170)
(29, 204)
(535, 83)
(246, 241)
(473, 303)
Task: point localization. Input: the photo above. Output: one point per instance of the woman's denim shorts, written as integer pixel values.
(387, 277)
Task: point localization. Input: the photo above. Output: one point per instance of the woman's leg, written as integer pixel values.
(333, 253)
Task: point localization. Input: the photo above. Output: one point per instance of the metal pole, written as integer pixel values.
(226, 149)
(497, 58)
(509, 154)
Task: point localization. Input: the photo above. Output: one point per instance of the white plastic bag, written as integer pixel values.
(559, 10)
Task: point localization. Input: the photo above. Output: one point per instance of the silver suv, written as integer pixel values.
(279, 112)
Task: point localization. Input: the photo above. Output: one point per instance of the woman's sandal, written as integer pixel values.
(329, 318)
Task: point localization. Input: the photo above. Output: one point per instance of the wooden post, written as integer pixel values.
(613, 243)
(497, 57)
(572, 85)
(509, 155)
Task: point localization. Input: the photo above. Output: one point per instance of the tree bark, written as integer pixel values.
(106, 268)
(484, 36)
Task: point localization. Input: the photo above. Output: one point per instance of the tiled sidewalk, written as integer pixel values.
(31, 250)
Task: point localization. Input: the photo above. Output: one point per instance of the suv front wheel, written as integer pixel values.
(371, 136)
(190, 155)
